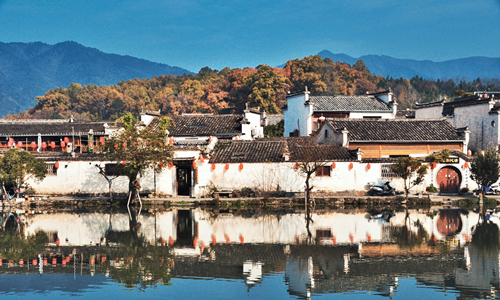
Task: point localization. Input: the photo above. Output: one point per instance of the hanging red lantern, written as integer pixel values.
(66, 139)
(63, 144)
(11, 140)
(101, 139)
(134, 144)
(56, 165)
(333, 165)
(123, 163)
(194, 164)
(202, 159)
(161, 164)
(242, 239)
(124, 144)
(91, 145)
(171, 165)
(9, 144)
(226, 167)
(52, 145)
(214, 240)
(213, 167)
(368, 166)
(58, 242)
(19, 144)
(469, 152)
(296, 165)
(433, 166)
(351, 165)
(116, 145)
(466, 165)
(33, 145)
(170, 142)
(44, 145)
(241, 166)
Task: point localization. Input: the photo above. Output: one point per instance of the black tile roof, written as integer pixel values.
(49, 127)
(394, 130)
(348, 103)
(205, 125)
(276, 149)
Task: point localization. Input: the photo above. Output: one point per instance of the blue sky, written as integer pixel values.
(237, 33)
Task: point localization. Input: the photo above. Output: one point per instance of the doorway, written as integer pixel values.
(184, 180)
(448, 179)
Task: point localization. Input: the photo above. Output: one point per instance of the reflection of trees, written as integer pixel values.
(485, 237)
(406, 238)
(13, 246)
(137, 263)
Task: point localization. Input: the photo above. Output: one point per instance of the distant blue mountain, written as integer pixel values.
(28, 70)
(463, 68)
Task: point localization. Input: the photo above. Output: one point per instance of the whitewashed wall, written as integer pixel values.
(83, 177)
(298, 115)
(484, 133)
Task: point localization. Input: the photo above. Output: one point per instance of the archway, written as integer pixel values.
(448, 180)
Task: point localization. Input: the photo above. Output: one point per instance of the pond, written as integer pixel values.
(190, 253)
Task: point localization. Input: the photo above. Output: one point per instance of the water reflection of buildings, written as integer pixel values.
(348, 250)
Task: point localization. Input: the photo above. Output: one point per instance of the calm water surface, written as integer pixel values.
(249, 254)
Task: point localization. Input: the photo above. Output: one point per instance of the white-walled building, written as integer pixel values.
(480, 113)
(303, 113)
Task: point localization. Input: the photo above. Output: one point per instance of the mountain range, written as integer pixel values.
(28, 70)
(468, 68)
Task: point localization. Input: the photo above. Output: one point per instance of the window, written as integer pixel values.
(326, 134)
(323, 233)
(493, 124)
(386, 172)
(51, 170)
(323, 171)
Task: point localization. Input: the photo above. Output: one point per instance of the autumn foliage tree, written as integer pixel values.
(138, 148)
(411, 170)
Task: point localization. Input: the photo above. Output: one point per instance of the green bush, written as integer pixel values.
(464, 190)
(431, 189)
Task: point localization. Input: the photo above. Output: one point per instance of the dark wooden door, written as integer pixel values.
(448, 180)
(183, 181)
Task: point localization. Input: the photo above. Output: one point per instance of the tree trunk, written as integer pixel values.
(134, 186)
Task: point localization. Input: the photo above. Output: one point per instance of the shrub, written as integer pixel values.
(431, 189)
(464, 190)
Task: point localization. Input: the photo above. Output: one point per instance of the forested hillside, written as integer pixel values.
(227, 90)
(28, 70)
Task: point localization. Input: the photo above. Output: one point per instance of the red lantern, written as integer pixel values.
(56, 165)
(124, 144)
(116, 145)
(33, 145)
(194, 164)
(101, 139)
(171, 165)
(11, 140)
(161, 164)
(170, 142)
(351, 165)
(63, 144)
(19, 144)
(466, 165)
(44, 145)
(66, 139)
(226, 167)
(333, 165)
(433, 166)
(9, 144)
(469, 152)
(123, 163)
(202, 159)
(296, 165)
(242, 239)
(213, 167)
(134, 144)
(58, 242)
(52, 145)
(368, 166)
(91, 145)
(241, 166)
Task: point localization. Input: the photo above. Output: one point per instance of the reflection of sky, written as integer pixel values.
(45, 284)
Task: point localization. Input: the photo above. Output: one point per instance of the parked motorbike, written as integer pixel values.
(381, 188)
